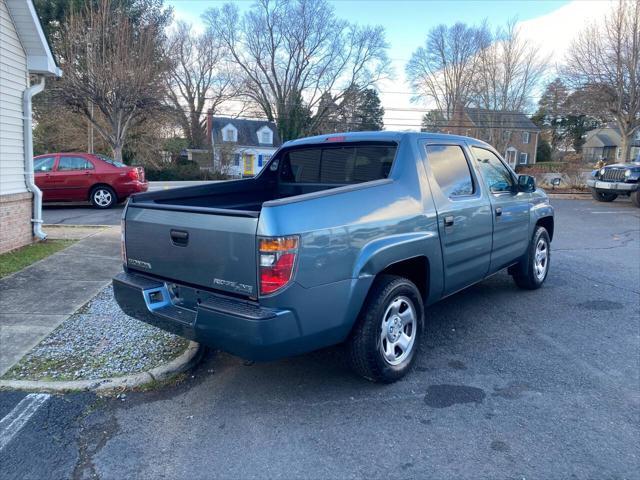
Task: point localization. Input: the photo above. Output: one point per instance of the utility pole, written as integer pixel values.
(90, 124)
(90, 130)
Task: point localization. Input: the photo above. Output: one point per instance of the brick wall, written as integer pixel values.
(15, 221)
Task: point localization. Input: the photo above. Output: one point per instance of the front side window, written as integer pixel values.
(44, 164)
(495, 174)
(74, 163)
(450, 170)
(337, 164)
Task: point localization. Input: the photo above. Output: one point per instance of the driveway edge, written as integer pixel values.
(178, 365)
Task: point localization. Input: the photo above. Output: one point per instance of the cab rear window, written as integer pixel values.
(338, 164)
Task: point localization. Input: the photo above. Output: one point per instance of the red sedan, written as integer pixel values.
(76, 177)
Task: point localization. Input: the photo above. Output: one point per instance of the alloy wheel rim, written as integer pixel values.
(398, 330)
(102, 197)
(541, 259)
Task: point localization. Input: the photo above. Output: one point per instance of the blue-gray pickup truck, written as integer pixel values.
(340, 239)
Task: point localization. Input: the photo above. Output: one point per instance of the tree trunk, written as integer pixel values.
(625, 147)
(117, 152)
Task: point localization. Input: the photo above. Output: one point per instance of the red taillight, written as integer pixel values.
(133, 174)
(277, 258)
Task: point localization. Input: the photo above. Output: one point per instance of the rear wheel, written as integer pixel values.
(531, 272)
(603, 196)
(635, 198)
(386, 338)
(103, 196)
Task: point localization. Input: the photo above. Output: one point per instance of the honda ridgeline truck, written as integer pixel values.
(341, 238)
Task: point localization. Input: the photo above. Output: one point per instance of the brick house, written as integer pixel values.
(251, 142)
(24, 52)
(513, 134)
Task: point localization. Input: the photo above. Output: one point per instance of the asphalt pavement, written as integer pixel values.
(509, 384)
(82, 213)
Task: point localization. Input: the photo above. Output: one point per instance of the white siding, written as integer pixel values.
(13, 81)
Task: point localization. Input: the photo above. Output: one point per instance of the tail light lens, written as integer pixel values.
(277, 258)
(133, 174)
(123, 247)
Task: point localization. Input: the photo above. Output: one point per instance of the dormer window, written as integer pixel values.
(229, 133)
(265, 136)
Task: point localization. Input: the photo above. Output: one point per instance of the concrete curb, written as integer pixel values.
(570, 196)
(178, 365)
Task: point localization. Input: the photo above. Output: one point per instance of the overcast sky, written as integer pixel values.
(550, 24)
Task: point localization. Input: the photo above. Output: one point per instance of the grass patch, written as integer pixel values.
(15, 260)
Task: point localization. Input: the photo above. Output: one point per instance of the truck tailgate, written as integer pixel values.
(215, 251)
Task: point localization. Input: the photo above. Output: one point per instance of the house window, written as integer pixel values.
(511, 157)
(526, 137)
(265, 136)
(229, 134)
(506, 135)
(236, 159)
(522, 158)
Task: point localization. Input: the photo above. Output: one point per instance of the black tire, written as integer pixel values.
(603, 196)
(635, 198)
(365, 345)
(525, 273)
(103, 197)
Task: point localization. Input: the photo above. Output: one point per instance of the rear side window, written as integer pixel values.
(450, 168)
(337, 164)
(74, 163)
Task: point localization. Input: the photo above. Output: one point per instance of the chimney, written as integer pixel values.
(209, 125)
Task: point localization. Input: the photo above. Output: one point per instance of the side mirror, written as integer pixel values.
(526, 183)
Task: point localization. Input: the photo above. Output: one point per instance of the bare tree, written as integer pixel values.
(443, 70)
(114, 65)
(605, 61)
(508, 69)
(200, 76)
(292, 52)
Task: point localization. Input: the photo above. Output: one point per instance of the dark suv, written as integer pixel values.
(613, 180)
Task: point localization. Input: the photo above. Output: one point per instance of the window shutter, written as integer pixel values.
(260, 160)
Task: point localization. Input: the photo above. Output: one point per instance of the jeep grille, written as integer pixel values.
(613, 175)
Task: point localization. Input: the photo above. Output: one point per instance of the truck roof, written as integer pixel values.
(383, 135)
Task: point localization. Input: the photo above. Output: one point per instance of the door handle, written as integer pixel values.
(498, 211)
(448, 221)
(179, 238)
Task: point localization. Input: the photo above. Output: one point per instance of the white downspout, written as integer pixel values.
(29, 93)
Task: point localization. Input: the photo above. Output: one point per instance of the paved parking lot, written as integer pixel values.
(82, 213)
(509, 384)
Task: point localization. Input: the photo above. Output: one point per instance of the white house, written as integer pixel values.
(24, 51)
(253, 142)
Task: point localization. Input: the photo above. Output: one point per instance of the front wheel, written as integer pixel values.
(386, 338)
(603, 196)
(531, 272)
(103, 197)
(635, 198)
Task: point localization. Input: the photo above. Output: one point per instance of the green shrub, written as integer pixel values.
(184, 170)
(543, 152)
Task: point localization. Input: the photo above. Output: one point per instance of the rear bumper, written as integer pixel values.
(236, 326)
(126, 189)
(612, 186)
